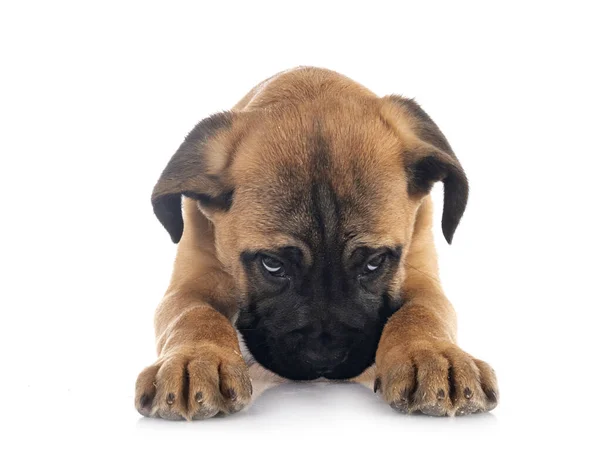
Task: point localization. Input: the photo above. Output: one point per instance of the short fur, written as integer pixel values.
(314, 172)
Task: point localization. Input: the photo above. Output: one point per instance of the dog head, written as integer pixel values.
(313, 197)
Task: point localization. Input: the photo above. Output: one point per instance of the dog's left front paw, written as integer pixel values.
(438, 379)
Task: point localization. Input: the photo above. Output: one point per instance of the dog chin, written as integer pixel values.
(294, 367)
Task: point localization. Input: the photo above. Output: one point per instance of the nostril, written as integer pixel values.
(301, 331)
(325, 338)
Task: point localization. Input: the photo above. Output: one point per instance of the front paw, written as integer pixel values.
(436, 379)
(194, 383)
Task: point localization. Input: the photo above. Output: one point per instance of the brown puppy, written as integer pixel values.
(307, 226)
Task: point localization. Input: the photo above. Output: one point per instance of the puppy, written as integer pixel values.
(306, 224)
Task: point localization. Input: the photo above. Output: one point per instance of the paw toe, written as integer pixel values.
(145, 390)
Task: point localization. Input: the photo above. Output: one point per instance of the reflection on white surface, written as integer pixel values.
(320, 404)
(330, 400)
(320, 417)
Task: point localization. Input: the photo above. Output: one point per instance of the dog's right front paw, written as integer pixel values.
(194, 383)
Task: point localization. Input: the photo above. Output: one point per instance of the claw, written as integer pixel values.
(230, 394)
(377, 385)
(145, 400)
(170, 399)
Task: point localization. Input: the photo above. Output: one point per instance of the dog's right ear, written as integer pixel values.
(198, 170)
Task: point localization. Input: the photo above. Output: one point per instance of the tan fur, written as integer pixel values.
(198, 350)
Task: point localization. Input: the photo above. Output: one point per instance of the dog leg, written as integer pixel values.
(200, 371)
(419, 367)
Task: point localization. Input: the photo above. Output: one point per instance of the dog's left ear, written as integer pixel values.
(428, 158)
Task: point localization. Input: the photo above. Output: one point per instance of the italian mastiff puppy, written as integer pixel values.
(304, 223)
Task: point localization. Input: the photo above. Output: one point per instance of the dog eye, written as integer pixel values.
(273, 266)
(374, 263)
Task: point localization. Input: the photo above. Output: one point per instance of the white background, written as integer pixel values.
(96, 96)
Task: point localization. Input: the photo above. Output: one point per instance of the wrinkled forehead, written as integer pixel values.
(305, 180)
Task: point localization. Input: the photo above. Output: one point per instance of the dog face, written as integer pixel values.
(313, 205)
(319, 260)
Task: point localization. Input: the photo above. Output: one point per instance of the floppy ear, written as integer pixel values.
(197, 170)
(430, 159)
